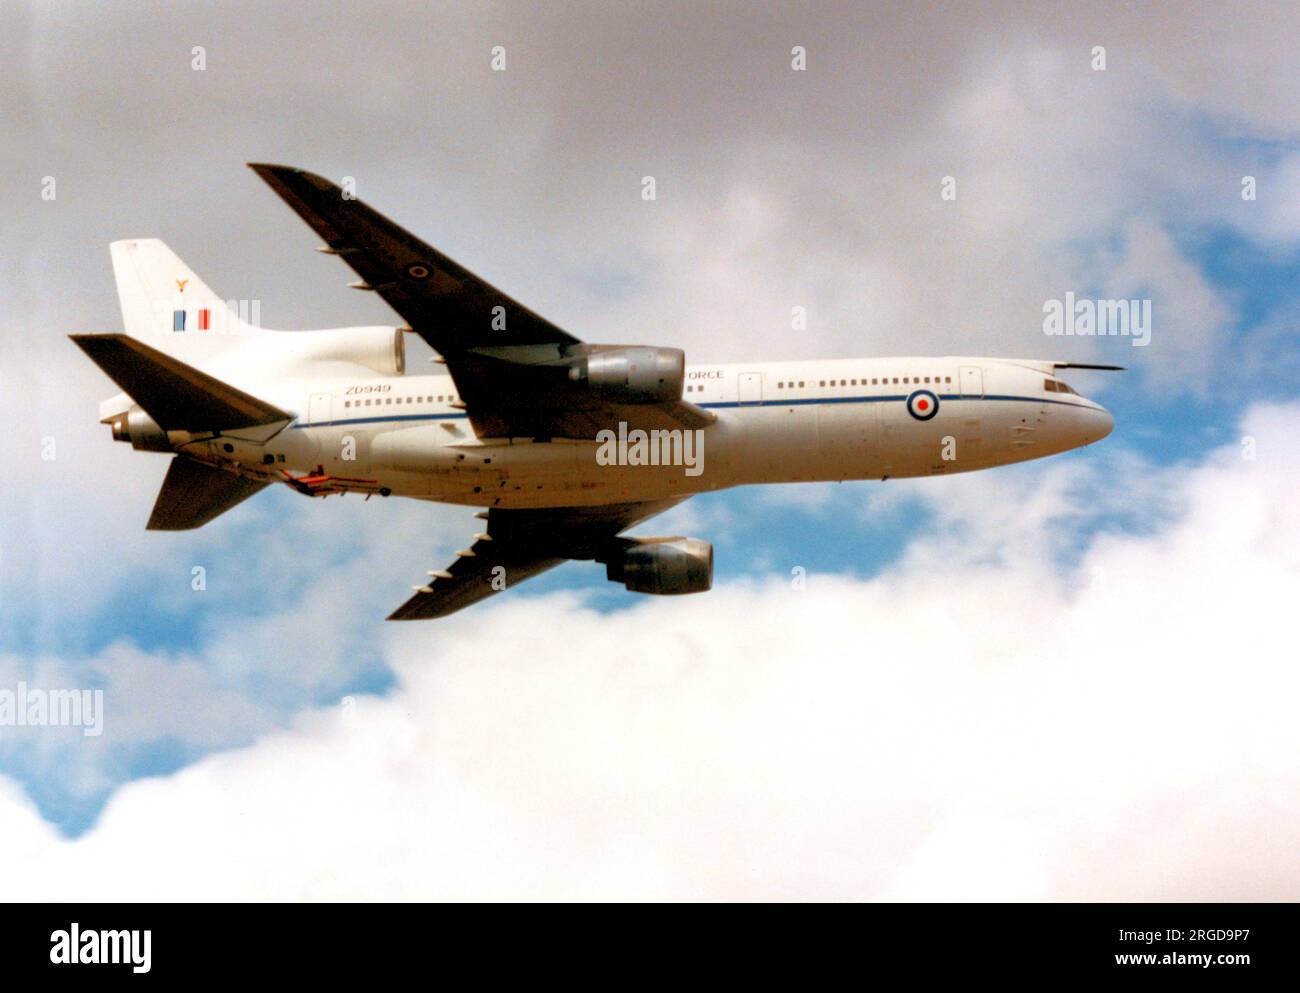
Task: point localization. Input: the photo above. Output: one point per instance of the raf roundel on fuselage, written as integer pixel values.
(922, 405)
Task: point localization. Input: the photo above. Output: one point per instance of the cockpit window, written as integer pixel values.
(1056, 386)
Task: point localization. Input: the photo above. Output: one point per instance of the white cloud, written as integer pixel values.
(1190, 319)
(994, 731)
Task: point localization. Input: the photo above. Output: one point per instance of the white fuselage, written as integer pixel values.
(776, 422)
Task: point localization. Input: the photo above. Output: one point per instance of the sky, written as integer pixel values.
(1071, 679)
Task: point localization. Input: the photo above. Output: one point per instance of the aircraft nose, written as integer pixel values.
(1099, 424)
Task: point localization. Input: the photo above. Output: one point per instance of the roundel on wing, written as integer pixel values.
(922, 405)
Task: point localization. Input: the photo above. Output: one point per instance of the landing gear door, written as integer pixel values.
(972, 381)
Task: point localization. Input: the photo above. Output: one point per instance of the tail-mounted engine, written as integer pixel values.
(141, 430)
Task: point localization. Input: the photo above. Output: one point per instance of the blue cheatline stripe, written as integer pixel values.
(898, 398)
(375, 420)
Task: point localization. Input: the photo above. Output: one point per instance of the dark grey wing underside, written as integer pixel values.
(510, 365)
(194, 493)
(519, 544)
(445, 303)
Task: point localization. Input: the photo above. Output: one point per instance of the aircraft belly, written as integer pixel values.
(771, 444)
(848, 438)
(911, 446)
(524, 473)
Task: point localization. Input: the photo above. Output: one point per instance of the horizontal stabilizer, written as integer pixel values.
(194, 493)
(177, 396)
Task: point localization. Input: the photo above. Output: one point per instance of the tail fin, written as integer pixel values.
(177, 396)
(194, 493)
(165, 302)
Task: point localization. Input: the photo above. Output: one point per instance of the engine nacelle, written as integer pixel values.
(663, 566)
(141, 430)
(633, 374)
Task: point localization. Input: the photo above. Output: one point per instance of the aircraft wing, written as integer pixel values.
(511, 366)
(519, 544)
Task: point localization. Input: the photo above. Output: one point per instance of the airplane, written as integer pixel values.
(563, 445)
